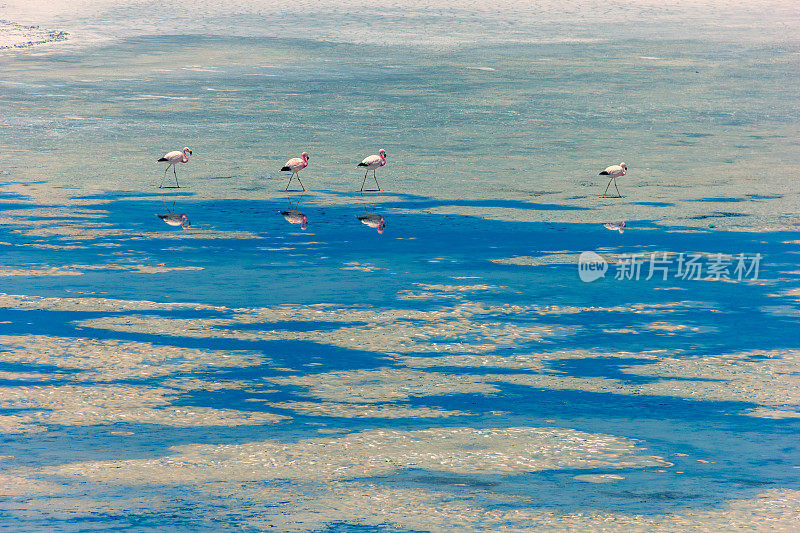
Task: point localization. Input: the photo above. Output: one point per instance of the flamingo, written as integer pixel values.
(614, 171)
(372, 162)
(294, 166)
(173, 158)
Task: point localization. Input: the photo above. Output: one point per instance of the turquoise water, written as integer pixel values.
(452, 373)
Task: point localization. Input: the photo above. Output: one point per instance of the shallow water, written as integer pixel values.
(451, 372)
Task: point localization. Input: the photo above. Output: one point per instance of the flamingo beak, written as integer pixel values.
(190, 152)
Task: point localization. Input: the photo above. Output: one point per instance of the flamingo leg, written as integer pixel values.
(301, 183)
(290, 182)
(165, 177)
(174, 173)
(615, 186)
(607, 186)
(365, 182)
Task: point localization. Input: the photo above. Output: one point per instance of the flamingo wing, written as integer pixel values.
(294, 164)
(371, 161)
(173, 157)
(613, 170)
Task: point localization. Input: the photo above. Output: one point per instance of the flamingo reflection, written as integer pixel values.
(175, 219)
(615, 226)
(372, 219)
(294, 216)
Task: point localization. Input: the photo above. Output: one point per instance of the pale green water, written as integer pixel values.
(696, 103)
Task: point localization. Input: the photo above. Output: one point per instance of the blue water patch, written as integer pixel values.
(297, 325)
(763, 196)
(719, 214)
(731, 200)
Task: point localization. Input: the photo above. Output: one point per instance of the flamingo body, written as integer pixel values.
(175, 157)
(615, 171)
(374, 161)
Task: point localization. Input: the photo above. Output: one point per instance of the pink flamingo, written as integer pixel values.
(614, 171)
(372, 162)
(173, 158)
(294, 166)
